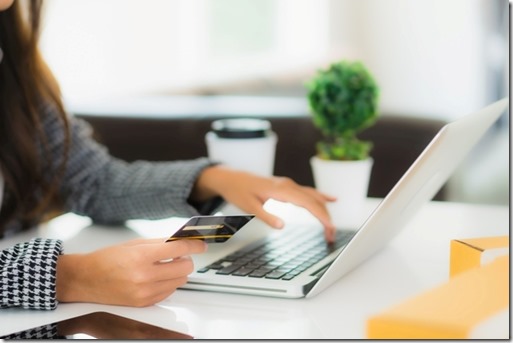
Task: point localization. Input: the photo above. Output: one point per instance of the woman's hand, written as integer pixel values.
(138, 273)
(249, 192)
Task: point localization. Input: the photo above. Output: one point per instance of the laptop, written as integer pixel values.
(296, 262)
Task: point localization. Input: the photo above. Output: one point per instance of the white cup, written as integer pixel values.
(244, 144)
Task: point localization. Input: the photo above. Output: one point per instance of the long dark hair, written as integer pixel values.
(25, 85)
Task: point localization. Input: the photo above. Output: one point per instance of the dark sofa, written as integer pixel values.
(178, 132)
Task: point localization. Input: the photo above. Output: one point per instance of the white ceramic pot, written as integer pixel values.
(348, 181)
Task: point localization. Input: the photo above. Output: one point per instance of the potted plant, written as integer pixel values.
(343, 101)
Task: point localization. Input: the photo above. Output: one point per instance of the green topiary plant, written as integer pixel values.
(344, 101)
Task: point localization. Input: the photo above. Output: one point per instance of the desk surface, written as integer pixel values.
(416, 260)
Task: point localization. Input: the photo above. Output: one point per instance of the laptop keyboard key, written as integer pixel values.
(228, 270)
(242, 271)
(275, 274)
(259, 272)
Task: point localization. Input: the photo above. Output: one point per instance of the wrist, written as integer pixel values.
(208, 183)
(69, 282)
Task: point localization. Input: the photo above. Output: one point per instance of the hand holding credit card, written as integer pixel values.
(211, 229)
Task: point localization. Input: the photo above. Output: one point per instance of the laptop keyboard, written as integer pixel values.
(283, 258)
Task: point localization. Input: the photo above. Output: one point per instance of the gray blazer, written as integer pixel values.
(102, 187)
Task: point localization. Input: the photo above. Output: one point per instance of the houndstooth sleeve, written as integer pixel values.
(28, 274)
(42, 332)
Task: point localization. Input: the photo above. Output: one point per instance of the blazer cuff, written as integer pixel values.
(29, 274)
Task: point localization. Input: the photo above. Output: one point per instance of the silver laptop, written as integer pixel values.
(296, 262)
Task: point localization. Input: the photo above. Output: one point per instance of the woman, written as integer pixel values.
(48, 158)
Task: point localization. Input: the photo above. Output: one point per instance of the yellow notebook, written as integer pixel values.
(450, 311)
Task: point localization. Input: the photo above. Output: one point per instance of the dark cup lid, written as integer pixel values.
(241, 128)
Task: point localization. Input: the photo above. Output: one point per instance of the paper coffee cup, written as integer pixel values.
(243, 144)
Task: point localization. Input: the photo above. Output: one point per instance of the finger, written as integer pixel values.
(179, 267)
(255, 206)
(301, 198)
(314, 206)
(163, 271)
(170, 250)
(270, 219)
(164, 289)
(322, 197)
(154, 292)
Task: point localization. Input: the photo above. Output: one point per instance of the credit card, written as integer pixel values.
(211, 229)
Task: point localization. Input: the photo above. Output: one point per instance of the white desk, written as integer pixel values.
(416, 260)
